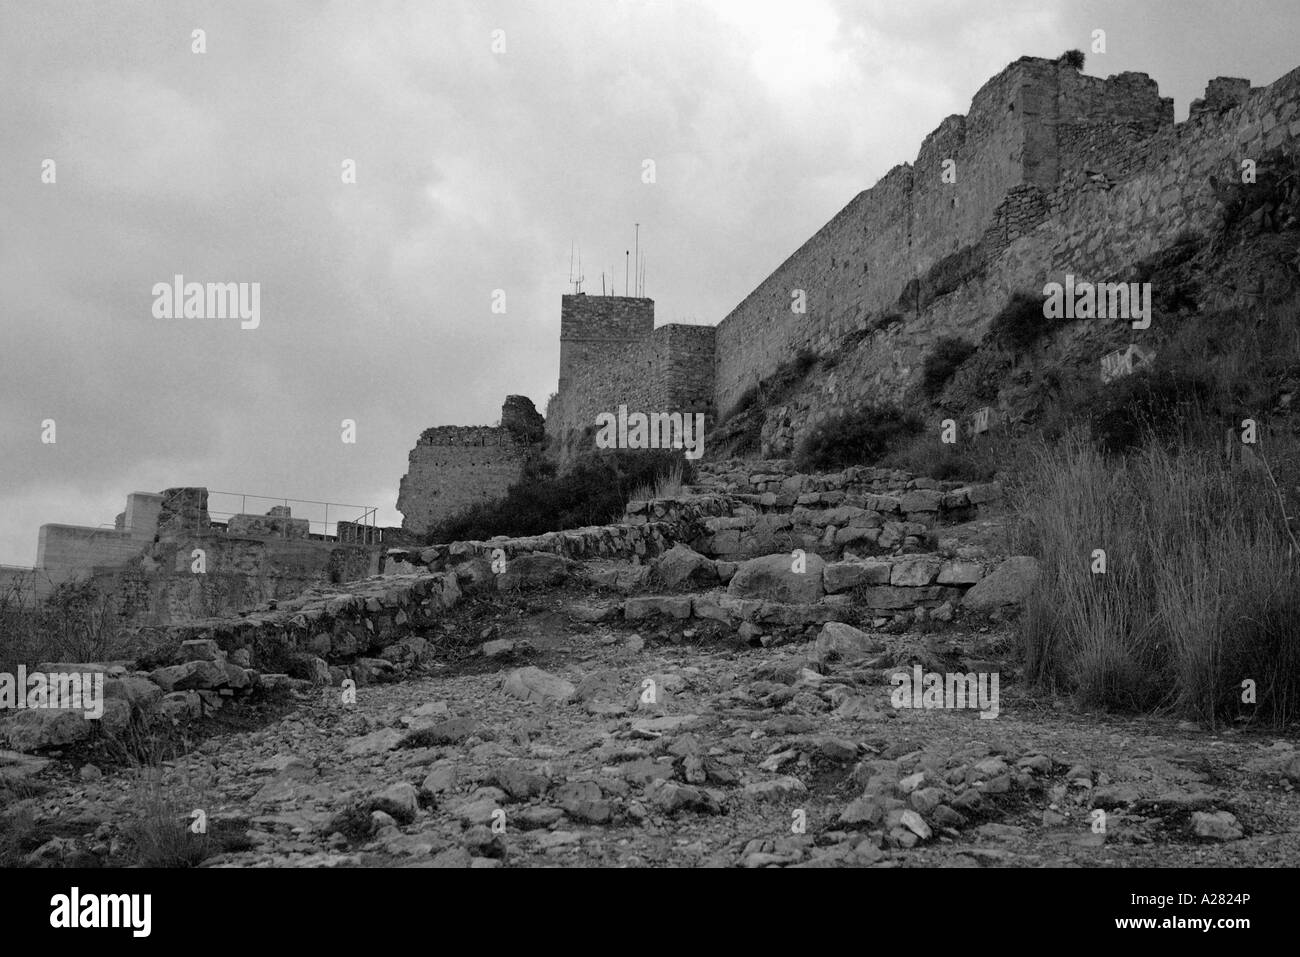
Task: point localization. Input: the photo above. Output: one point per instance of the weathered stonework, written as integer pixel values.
(1055, 172)
(453, 467)
(148, 564)
(611, 355)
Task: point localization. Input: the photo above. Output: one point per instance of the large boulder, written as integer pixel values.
(533, 571)
(914, 571)
(682, 564)
(920, 500)
(841, 576)
(191, 674)
(1009, 584)
(957, 572)
(141, 693)
(37, 728)
(844, 642)
(773, 577)
(44, 728)
(200, 649)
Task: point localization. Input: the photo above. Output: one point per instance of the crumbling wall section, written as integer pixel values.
(454, 467)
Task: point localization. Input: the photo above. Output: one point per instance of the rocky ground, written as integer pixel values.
(681, 711)
(596, 745)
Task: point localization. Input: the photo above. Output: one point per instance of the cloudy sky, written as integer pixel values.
(476, 170)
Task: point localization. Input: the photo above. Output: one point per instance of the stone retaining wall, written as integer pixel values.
(753, 508)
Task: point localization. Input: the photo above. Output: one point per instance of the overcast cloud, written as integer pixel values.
(475, 171)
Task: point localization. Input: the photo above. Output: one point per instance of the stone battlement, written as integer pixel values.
(453, 467)
(467, 435)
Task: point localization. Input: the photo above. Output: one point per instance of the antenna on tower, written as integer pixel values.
(637, 247)
(578, 278)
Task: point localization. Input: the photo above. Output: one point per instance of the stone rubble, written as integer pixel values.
(664, 708)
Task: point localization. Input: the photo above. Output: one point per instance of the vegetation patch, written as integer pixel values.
(949, 274)
(1169, 577)
(861, 437)
(1020, 323)
(943, 361)
(597, 486)
(740, 431)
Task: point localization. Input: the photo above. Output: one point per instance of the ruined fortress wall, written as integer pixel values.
(1163, 184)
(454, 467)
(1055, 172)
(1156, 189)
(611, 355)
(864, 258)
(161, 588)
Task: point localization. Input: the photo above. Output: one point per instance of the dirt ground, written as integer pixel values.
(659, 754)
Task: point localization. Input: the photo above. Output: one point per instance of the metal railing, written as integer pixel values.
(361, 522)
(320, 525)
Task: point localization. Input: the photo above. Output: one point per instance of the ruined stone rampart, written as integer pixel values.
(1051, 171)
(1026, 128)
(453, 467)
(1095, 223)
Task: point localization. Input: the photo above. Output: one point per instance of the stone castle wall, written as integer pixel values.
(453, 467)
(1055, 172)
(160, 587)
(611, 355)
(861, 263)
(1153, 190)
